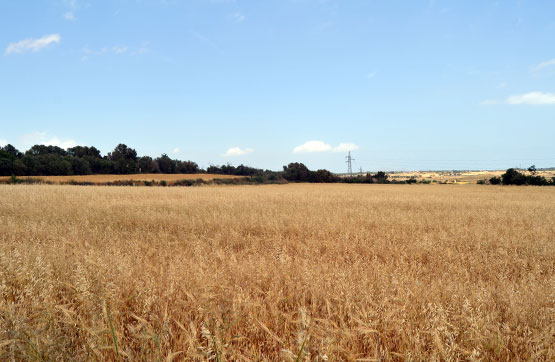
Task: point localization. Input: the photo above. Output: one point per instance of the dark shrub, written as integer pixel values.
(495, 181)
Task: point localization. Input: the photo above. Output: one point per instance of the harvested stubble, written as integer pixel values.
(307, 272)
(103, 179)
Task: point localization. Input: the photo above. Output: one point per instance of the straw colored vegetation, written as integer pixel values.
(293, 272)
(102, 179)
(460, 177)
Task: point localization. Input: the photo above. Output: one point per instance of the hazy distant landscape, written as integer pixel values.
(86, 165)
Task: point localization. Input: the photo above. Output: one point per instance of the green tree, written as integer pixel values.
(322, 176)
(124, 159)
(296, 172)
(82, 151)
(146, 164)
(122, 151)
(11, 151)
(80, 166)
(513, 177)
(186, 167)
(41, 150)
(8, 155)
(166, 164)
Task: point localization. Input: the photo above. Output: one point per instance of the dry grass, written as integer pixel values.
(463, 177)
(101, 179)
(294, 272)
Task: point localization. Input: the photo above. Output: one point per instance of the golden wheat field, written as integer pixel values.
(277, 273)
(102, 179)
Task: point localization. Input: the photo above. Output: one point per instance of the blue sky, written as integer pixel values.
(402, 84)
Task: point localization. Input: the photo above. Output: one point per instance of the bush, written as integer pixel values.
(494, 181)
(513, 177)
(296, 172)
(184, 182)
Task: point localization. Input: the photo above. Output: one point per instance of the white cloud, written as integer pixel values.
(319, 146)
(3, 142)
(312, 146)
(535, 98)
(236, 151)
(33, 45)
(345, 147)
(119, 49)
(238, 17)
(42, 138)
(54, 141)
(176, 150)
(68, 15)
(547, 63)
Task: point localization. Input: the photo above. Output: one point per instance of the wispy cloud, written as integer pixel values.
(176, 150)
(42, 138)
(238, 17)
(33, 45)
(545, 64)
(237, 151)
(115, 50)
(71, 6)
(68, 15)
(535, 98)
(345, 147)
(119, 49)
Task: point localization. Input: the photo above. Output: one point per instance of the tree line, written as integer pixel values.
(298, 172)
(42, 160)
(514, 177)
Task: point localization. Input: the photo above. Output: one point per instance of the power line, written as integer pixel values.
(349, 163)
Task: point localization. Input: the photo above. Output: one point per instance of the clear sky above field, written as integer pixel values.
(402, 84)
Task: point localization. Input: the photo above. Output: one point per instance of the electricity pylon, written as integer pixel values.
(349, 163)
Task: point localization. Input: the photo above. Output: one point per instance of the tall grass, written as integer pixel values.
(291, 272)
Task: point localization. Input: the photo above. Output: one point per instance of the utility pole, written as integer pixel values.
(361, 170)
(349, 163)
